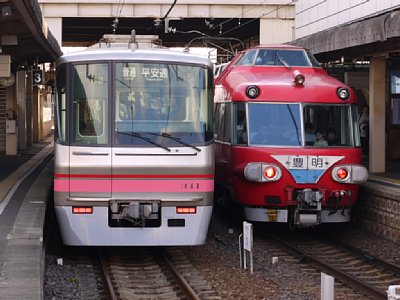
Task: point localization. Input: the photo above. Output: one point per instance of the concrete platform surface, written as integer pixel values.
(22, 215)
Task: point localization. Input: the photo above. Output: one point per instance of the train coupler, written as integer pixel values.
(308, 210)
(137, 213)
(309, 199)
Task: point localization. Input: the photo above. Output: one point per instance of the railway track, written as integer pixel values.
(303, 255)
(352, 266)
(148, 273)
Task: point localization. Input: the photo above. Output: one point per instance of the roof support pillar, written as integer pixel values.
(377, 154)
(22, 109)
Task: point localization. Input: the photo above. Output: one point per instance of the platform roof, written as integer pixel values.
(376, 35)
(24, 34)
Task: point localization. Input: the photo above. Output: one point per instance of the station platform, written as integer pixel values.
(390, 177)
(25, 182)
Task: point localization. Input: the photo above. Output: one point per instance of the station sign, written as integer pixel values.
(38, 77)
(248, 236)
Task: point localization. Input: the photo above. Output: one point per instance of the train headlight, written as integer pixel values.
(262, 172)
(298, 78)
(252, 91)
(343, 93)
(342, 174)
(350, 174)
(270, 172)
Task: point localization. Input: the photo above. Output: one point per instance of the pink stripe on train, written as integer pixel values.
(138, 186)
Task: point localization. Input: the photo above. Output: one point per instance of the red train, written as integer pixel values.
(287, 138)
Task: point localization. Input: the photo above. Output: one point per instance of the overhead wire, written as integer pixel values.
(118, 15)
(169, 10)
(238, 16)
(251, 20)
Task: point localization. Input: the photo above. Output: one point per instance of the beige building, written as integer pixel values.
(176, 23)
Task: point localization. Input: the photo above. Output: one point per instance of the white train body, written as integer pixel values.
(134, 159)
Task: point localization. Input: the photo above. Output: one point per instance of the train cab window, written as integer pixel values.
(248, 58)
(90, 104)
(274, 124)
(335, 124)
(314, 62)
(280, 57)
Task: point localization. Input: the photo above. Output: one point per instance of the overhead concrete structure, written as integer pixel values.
(83, 22)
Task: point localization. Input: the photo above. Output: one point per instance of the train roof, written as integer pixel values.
(277, 84)
(279, 46)
(273, 69)
(152, 54)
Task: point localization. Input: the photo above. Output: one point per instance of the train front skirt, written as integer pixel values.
(259, 214)
(94, 230)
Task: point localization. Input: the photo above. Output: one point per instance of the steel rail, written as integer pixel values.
(107, 278)
(337, 273)
(369, 257)
(182, 281)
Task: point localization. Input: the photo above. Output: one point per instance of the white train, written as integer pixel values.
(134, 160)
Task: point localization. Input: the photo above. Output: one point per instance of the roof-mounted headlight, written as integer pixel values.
(343, 93)
(298, 78)
(252, 91)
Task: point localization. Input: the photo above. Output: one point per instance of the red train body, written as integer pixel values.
(271, 103)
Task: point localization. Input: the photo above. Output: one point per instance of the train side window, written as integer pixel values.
(240, 128)
(222, 122)
(90, 104)
(227, 123)
(218, 118)
(61, 115)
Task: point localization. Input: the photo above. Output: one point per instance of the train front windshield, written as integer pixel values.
(147, 104)
(294, 124)
(162, 103)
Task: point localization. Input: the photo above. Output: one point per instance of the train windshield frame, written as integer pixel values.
(135, 103)
(295, 124)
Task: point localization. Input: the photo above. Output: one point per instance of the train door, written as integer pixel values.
(90, 152)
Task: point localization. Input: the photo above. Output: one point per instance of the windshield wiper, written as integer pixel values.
(138, 135)
(178, 140)
(282, 60)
